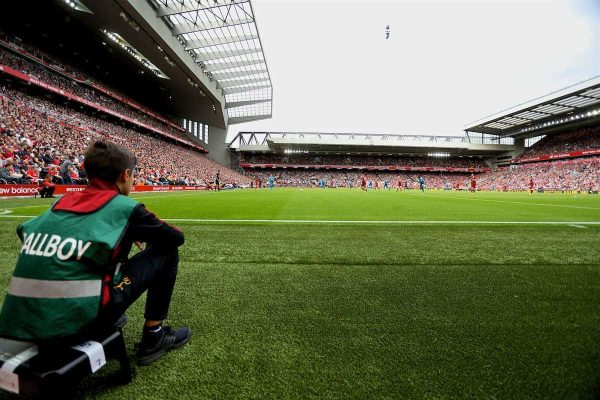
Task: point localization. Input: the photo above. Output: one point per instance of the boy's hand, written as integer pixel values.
(140, 245)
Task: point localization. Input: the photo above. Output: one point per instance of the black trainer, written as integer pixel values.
(171, 339)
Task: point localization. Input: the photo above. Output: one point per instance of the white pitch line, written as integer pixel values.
(367, 222)
(359, 222)
(579, 226)
(38, 206)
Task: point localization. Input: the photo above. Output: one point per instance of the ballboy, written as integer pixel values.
(73, 275)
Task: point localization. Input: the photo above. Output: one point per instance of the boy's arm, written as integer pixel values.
(145, 227)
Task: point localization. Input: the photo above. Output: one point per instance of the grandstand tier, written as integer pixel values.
(38, 135)
(565, 162)
(35, 73)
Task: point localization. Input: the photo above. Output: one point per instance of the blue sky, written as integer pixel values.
(446, 63)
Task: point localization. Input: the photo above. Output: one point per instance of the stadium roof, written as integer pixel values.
(222, 37)
(363, 143)
(569, 105)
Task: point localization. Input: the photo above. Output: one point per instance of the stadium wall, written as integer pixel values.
(31, 190)
(217, 148)
(520, 146)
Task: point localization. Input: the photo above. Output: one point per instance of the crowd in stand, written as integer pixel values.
(304, 178)
(67, 69)
(578, 174)
(584, 139)
(39, 138)
(361, 160)
(69, 85)
(575, 174)
(581, 174)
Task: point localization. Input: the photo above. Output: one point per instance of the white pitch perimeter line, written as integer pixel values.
(360, 222)
(366, 222)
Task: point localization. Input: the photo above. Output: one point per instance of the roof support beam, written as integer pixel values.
(219, 55)
(245, 89)
(180, 29)
(201, 43)
(177, 8)
(230, 84)
(216, 68)
(234, 104)
(226, 77)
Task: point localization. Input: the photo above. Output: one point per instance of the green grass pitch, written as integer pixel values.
(340, 294)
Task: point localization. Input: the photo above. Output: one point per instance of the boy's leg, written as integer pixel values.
(154, 270)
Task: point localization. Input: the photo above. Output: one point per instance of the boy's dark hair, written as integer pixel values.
(106, 160)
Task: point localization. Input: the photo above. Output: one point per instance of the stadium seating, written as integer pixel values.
(572, 171)
(581, 174)
(64, 69)
(38, 134)
(362, 160)
(69, 85)
(568, 142)
(48, 66)
(309, 178)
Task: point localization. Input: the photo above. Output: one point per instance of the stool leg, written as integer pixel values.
(57, 387)
(127, 372)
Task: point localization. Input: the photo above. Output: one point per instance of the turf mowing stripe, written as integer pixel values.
(507, 201)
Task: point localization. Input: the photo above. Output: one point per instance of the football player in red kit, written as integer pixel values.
(363, 183)
(399, 184)
(530, 185)
(473, 184)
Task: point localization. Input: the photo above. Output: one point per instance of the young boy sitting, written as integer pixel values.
(73, 276)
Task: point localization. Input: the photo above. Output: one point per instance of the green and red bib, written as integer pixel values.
(57, 285)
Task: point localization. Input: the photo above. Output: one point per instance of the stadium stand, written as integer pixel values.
(37, 136)
(58, 66)
(317, 160)
(581, 174)
(90, 95)
(304, 178)
(569, 144)
(559, 162)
